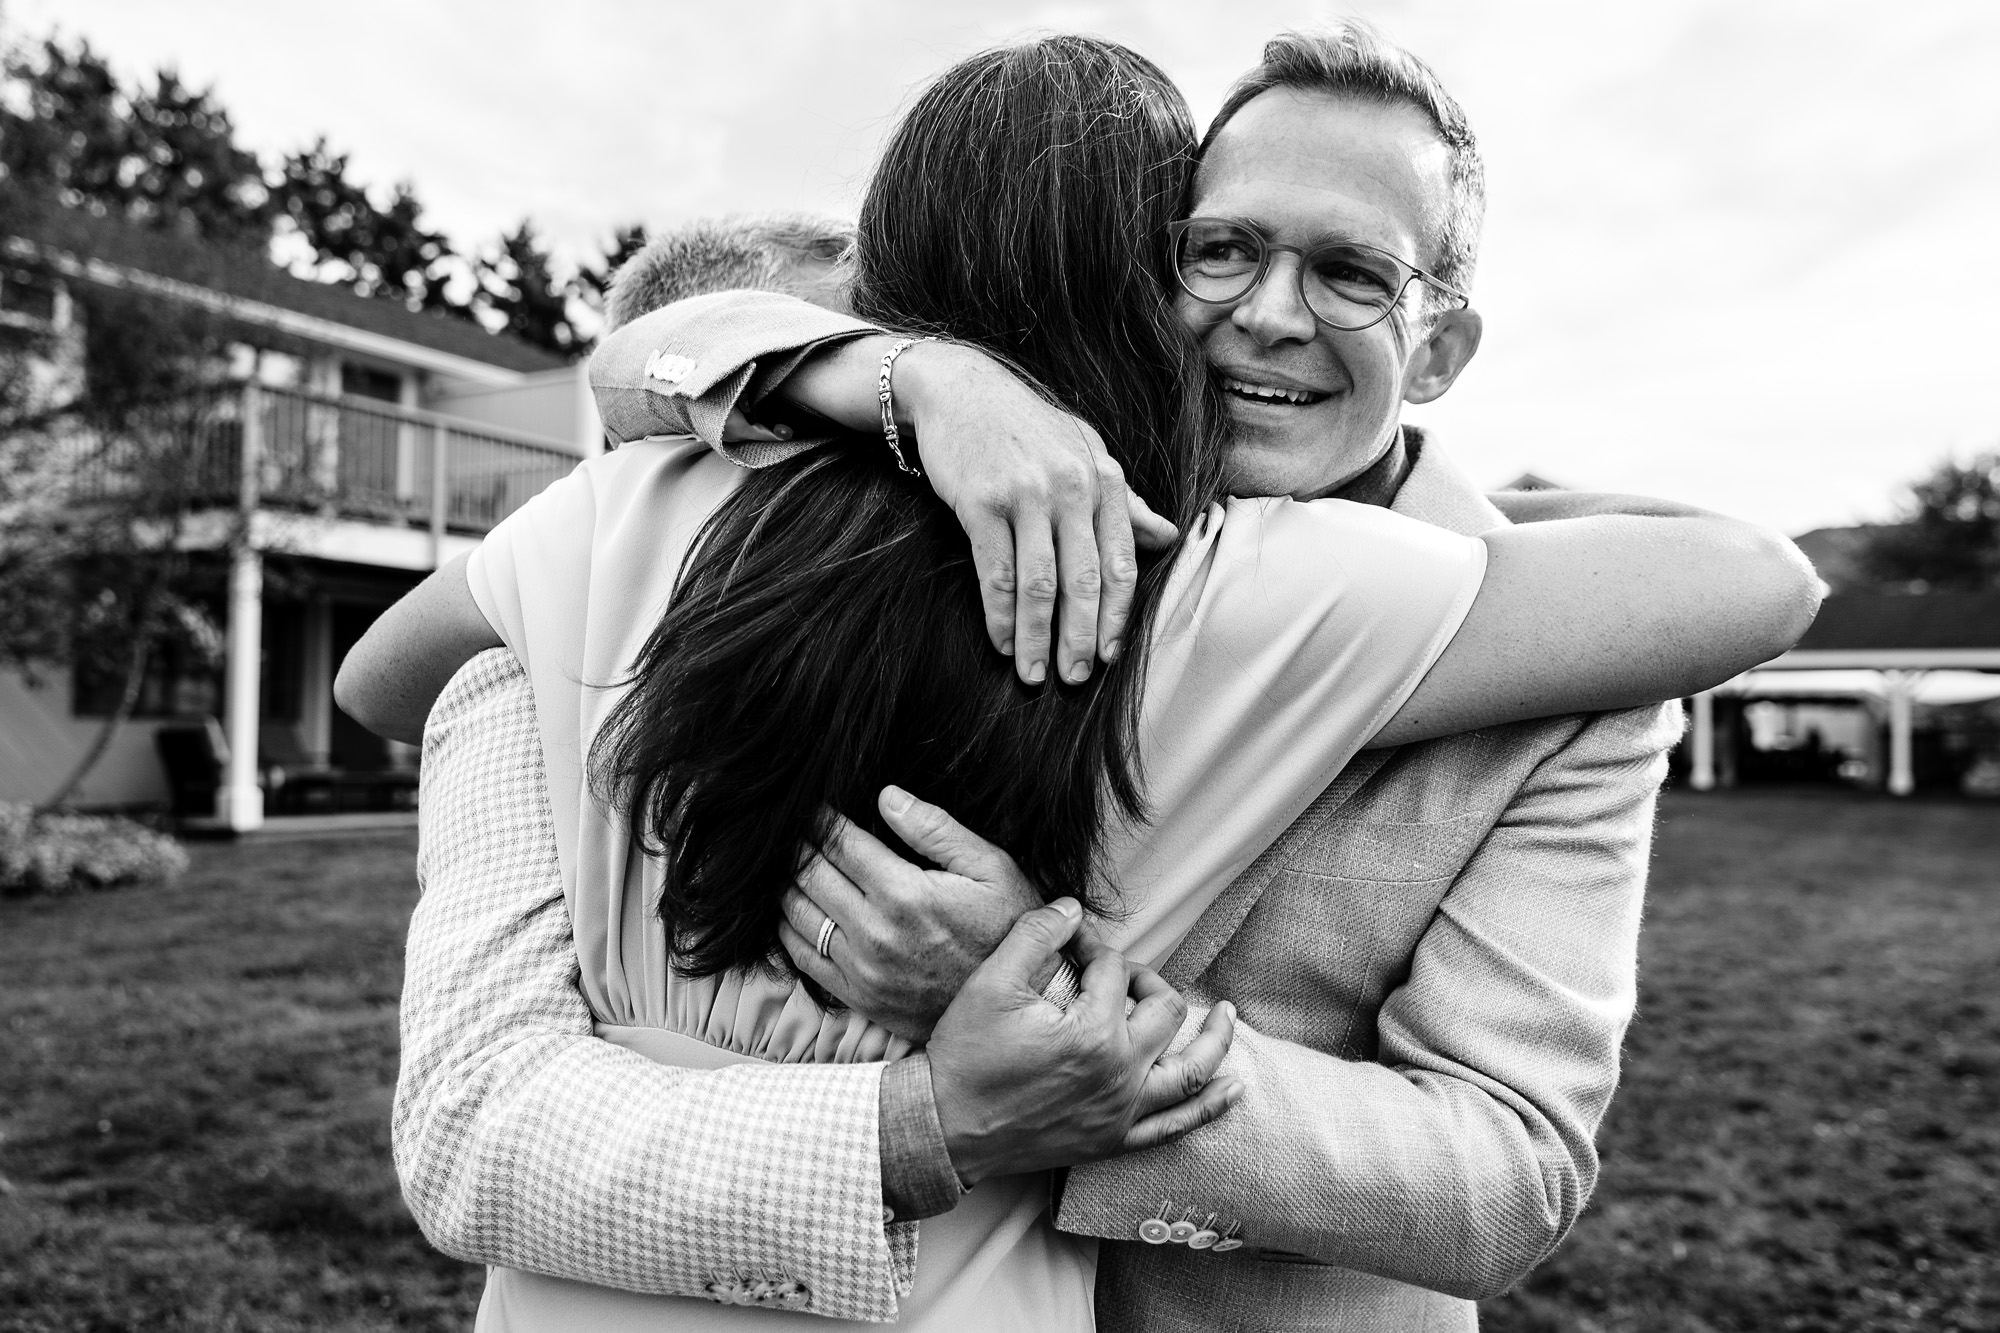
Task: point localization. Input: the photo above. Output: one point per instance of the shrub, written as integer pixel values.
(60, 853)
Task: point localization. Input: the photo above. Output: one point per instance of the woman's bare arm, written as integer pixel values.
(1543, 506)
(1611, 611)
(390, 678)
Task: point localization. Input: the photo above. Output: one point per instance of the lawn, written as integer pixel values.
(194, 1098)
(194, 1091)
(1808, 1133)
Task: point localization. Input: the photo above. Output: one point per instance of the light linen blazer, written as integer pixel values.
(1433, 970)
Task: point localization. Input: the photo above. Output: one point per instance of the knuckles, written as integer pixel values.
(1040, 586)
(1085, 581)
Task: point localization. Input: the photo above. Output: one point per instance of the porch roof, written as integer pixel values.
(1889, 631)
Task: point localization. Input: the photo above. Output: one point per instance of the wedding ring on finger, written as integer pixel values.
(825, 940)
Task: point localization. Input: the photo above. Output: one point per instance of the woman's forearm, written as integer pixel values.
(1546, 506)
(1610, 611)
(839, 382)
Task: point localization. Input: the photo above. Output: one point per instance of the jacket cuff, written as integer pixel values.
(1113, 1197)
(681, 369)
(918, 1180)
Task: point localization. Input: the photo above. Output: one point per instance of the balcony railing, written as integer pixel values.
(339, 458)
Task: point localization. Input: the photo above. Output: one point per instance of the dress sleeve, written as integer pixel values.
(1332, 607)
(534, 562)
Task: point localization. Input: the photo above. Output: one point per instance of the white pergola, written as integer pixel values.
(1901, 677)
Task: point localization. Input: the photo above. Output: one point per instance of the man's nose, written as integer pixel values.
(1275, 310)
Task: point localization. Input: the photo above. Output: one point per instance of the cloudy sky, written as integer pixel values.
(1738, 251)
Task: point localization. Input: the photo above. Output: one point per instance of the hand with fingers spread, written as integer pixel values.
(904, 938)
(1054, 528)
(1022, 1085)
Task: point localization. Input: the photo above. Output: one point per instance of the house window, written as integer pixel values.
(178, 683)
(182, 681)
(27, 298)
(384, 386)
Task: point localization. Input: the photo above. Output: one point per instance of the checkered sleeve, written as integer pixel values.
(524, 1141)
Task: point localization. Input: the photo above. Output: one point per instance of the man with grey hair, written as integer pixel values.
(795, 253)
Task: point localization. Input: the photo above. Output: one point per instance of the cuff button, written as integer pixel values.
(1203, 1239)
(1153, 1231)
(1181, 1232)
(1226, 1244)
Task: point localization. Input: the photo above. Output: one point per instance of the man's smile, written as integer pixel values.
(1269, 394)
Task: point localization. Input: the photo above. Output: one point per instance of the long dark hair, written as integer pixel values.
(825, 637)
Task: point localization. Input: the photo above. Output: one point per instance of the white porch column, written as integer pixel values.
(1902, 690)
(240, 804)
(1701, 773)
(242, 799)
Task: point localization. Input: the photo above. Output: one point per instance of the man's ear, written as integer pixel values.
(1444, 352)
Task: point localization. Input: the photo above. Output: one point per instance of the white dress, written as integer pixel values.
(1288, 634)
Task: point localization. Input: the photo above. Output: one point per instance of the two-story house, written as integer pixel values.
(358, 445)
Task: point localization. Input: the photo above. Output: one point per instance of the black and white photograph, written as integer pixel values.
(977, 668)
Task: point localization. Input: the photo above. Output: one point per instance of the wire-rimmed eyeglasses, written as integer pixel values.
(1347, 286)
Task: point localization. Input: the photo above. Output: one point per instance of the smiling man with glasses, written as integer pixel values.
(1335, 226)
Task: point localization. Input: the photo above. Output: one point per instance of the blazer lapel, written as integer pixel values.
(1434, 492)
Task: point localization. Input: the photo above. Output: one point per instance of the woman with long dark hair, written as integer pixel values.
(826, 630)
(720, 661)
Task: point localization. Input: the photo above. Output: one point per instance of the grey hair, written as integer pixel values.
(1352, 59)
(719, 254)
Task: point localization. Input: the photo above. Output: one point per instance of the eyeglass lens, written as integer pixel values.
(1348, 286)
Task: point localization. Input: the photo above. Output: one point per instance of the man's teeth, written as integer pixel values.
(1271, 393)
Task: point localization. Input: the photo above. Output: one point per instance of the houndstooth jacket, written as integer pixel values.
(522, 1140)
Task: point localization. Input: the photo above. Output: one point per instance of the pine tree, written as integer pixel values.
(382, 252)
(520, 287)
(165, 157)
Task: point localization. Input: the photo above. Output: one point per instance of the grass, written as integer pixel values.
(196, 1101)
(194, 1091)
(1808, 1133)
